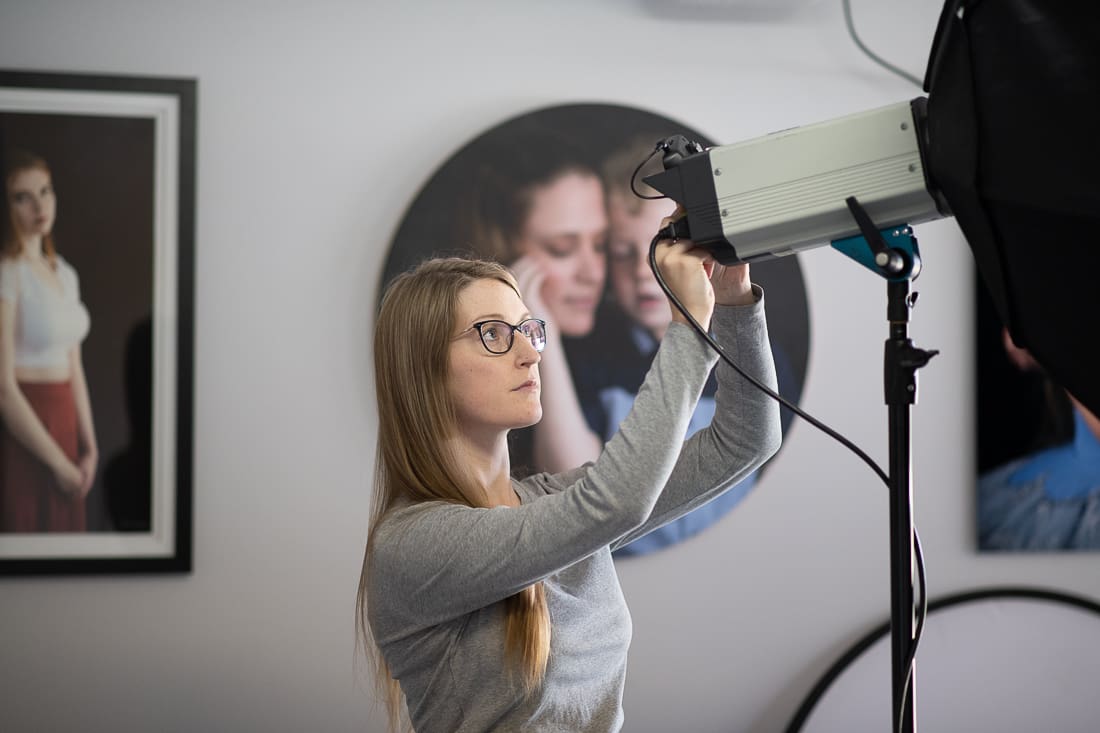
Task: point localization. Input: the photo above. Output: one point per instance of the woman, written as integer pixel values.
(493, 603)
(48, 451)
(539, 199)
(539, 207)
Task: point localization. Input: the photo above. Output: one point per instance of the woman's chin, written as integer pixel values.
(532, 419)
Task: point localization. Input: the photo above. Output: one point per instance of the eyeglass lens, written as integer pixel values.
(498, 335)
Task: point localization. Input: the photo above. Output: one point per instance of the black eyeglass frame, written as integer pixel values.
(480, 325)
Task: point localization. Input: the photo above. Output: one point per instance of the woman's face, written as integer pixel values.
(31, 202)
(492, 392)
(565, 234)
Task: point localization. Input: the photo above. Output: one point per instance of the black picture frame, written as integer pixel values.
(121, 153)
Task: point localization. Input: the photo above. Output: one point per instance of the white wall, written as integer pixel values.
(318, 122)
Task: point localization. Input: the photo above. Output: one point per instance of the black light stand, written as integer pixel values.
(899, 263)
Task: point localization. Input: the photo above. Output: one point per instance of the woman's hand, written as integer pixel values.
(70, 479)
(732, 285)
(562, 439)
(687, 271)
(87, 465)
(530, 279)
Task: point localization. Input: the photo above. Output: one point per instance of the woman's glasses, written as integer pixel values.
(497, 336)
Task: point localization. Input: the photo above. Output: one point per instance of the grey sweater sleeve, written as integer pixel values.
(744, 432)
(435, 561)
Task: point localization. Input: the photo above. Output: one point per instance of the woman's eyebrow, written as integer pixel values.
(488, 317)
(499, 317)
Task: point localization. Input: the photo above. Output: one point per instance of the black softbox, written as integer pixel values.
(1013, 126)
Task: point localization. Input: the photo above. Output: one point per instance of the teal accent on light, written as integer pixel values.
(899, 237)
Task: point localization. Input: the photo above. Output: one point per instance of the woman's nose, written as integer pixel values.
(590, 265)
(526, 352)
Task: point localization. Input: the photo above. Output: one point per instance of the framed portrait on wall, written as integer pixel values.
(1038, 462)
(96, 322)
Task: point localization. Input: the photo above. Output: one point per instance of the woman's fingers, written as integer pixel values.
(530, 277)
(685, 248)
(674, 216)
(687, 270)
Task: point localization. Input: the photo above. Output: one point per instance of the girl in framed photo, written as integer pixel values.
(48, 451)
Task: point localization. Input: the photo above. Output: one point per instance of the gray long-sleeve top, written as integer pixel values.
(440, 571)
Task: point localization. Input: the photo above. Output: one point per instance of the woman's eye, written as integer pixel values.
(491, 333)
(621, 252)
(559, 248)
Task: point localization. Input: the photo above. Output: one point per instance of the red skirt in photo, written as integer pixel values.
(30, 500)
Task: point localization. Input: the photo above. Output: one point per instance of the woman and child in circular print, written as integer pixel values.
(549, 195)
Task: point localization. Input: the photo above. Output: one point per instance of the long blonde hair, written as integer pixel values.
(415, 419)
(17, 161)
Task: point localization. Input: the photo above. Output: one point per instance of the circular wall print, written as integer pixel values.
(548, 193)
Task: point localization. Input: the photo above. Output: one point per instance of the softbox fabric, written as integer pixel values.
(1013, 120)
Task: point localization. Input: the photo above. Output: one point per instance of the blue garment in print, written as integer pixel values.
(1049, 500)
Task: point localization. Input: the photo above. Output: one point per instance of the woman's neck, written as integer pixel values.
(490, 467)
(33, 248)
